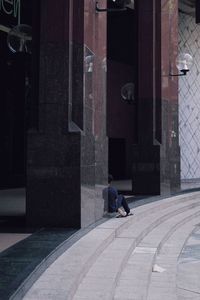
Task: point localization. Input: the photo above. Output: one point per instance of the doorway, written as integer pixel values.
(16, 97)
(12, 117)
(121, 71)
(117, 158)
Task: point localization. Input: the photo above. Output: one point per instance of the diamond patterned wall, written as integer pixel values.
(189, 99)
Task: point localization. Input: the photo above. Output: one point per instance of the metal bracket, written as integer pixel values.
(109, 9)
(183, 73)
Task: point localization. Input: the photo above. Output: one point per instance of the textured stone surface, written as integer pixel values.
(188, 279)
(19, 261)
(67, 154)
(189, 104)
(116, 259)
(157, 102)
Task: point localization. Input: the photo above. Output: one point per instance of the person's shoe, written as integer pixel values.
(130, 214)
(122, 212)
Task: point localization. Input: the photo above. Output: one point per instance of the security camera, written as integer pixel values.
(124, 3)
(120, 5)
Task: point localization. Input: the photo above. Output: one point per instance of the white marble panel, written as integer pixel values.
(189, 99)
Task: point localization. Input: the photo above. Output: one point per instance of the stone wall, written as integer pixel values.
(189, 99)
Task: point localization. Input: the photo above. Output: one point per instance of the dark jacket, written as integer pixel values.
(110, 194)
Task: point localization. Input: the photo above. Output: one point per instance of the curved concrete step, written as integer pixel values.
(62, 278)
(164, 285)
(96, 277)
(102, 281)
(188, 268)
(134, 280)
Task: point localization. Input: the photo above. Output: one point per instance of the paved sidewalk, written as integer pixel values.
(144, 256)
(188, 271)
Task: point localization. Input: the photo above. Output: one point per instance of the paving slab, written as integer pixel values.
(96, 262)
(188, 269)
(20, 260)
(9, 239)
(167, 258)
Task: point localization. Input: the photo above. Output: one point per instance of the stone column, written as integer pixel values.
(154, 155)
(53, 155)
(170, 150)
(93, 139)
(67, 154)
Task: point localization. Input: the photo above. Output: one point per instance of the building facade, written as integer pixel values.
(91, 94)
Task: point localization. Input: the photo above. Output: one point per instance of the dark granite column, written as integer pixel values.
(170, 150)
(93, 139)
(67, 156)
(53, 156)
(154, 169)
(146, 154)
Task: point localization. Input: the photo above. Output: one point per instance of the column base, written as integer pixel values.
(146, 170)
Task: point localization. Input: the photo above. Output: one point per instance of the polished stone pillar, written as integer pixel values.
(53, 156)
(170, 150)
(66, 158)
(156, 156)
(94, 150)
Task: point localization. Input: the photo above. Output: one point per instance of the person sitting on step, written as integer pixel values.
(116, 202)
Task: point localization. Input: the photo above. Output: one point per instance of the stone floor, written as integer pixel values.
(144, 256)
(190, 184)
(13, 204)
(29, 257)
(26, 259)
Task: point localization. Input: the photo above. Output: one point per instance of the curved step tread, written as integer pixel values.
(97, 277)
(63, 277)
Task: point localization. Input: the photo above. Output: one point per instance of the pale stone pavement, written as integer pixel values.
(152, 255)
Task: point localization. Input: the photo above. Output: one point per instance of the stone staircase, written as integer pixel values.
(119, 259)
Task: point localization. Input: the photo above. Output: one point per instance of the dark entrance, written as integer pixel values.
(121, 71)
(117, 158)
(14, 96)
(12, 117)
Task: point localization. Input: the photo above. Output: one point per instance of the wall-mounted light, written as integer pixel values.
(183, 63)
(89, 63)
(127, 93)
(120, 5)
(19, 39)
